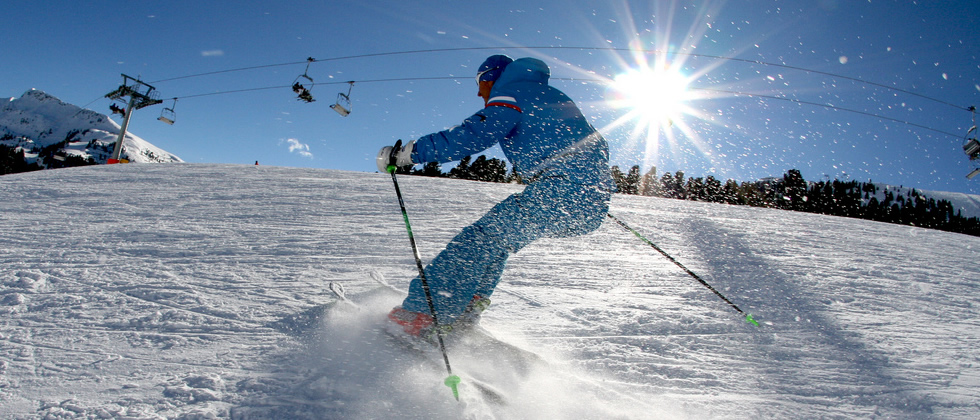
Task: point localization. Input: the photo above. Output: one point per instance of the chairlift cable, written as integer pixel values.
(401, 79)
(85, 107)
(617, 49)
(834, 107)
(211, 73)
(736, 93)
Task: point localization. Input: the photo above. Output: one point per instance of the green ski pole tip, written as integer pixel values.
(452, 381)
(751, 320)
(391, 169)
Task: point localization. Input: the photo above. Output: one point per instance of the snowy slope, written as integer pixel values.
(164, 297)
(37, 119)
(968, 204)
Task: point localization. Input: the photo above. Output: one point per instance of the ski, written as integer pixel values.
(426, 353)
(477, 340)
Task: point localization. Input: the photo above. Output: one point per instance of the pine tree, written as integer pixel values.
(649, 184)
(462, 170)
(713, 190)
(667, 186)
(12, 161)
(794, 187)
(488, 170)
(694, 189)
(432, 169)
(631, 182)
(730, 193)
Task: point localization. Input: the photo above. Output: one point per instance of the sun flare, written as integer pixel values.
(659, 105)
(653, 97)
(656, 90)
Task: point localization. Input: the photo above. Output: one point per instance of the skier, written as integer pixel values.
(563, 160)
(304, 93)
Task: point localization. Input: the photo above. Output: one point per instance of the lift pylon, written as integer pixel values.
(136, 95)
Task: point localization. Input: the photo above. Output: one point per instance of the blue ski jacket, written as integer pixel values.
(541, 131)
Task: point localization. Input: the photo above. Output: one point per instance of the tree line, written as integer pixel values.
(13, 158)
(791, 192)
(479, 169)
(863, 200)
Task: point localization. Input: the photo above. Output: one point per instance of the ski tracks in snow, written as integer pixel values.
(163, 291)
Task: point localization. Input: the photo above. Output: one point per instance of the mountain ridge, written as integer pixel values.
(49, 130)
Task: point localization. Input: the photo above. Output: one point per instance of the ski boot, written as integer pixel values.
(417, 329)
(471, 315)
(408, 324)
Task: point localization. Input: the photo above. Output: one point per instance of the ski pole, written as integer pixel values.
(748, 317)
(452, 380)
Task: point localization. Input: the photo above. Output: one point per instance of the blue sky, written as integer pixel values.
(750, 110)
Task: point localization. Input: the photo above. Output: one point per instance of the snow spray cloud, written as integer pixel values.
(353, 360)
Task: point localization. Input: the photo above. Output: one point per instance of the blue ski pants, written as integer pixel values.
(474, 260)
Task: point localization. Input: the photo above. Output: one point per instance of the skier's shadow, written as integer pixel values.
(800, 330)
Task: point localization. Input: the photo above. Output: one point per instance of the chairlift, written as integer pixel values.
(971, 146)
(302, 92)
(168, 115)
(343, 104)
(116, 109)
(972, 149)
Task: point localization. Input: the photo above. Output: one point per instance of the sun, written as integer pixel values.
(654, 97)
(657, 101)
(658, 93)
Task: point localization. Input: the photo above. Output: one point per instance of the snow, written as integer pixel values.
(968, 205)
(159, 291)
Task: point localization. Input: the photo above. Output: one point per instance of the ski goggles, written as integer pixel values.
(480, 74)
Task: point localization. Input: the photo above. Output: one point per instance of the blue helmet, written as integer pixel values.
(492, 68)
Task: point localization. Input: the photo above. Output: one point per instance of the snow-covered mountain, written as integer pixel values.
(38, 120)
(165, 296)
(967, 204)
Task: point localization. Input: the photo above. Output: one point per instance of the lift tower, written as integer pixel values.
(136, 95)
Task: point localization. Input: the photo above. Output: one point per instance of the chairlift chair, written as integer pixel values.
(168, 115)
(972, 149)
(303, 93)
(971, 146)
(343, 104)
